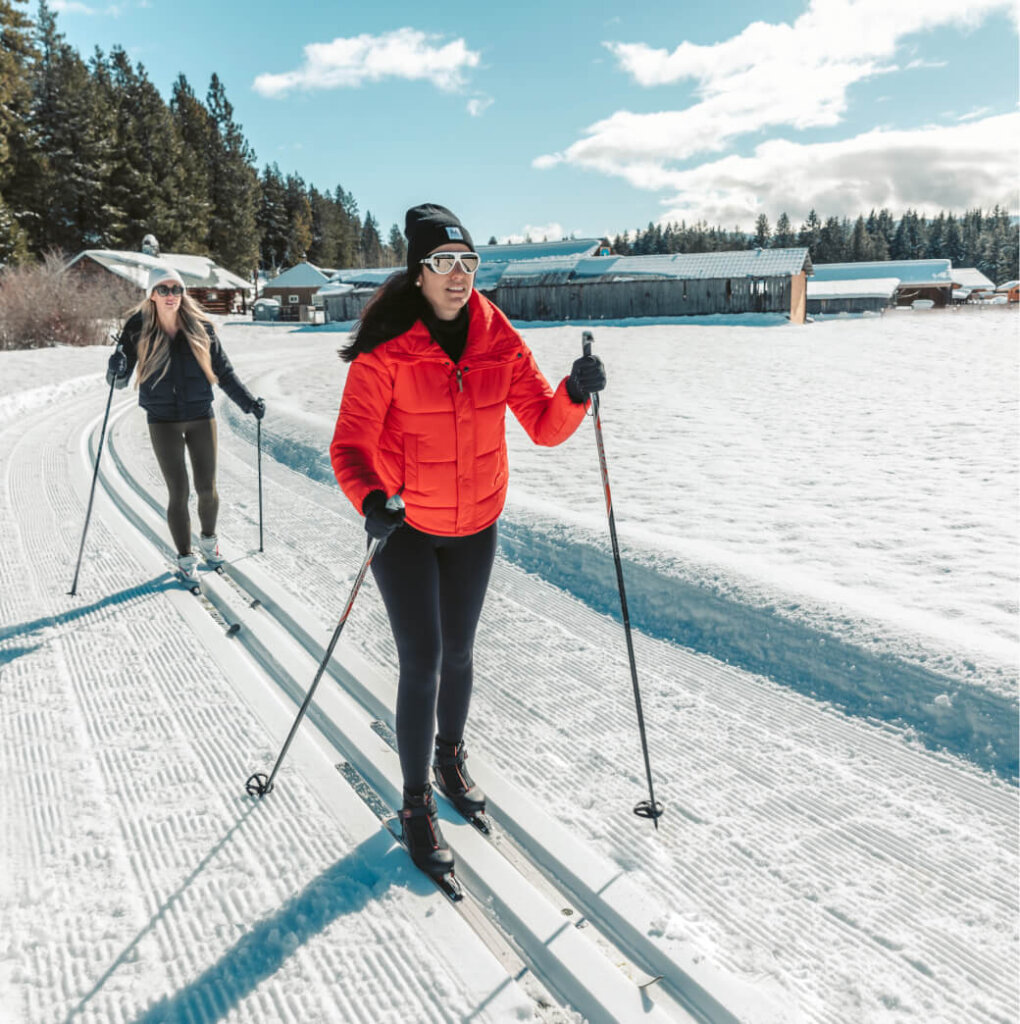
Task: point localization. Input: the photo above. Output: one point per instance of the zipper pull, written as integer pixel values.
(460, 380)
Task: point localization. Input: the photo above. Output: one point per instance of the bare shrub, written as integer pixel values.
(43, 304)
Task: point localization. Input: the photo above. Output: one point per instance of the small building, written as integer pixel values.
(215, 288)
(1011, 289)
(295, 289)
(971, 285)
(266, 309)
(855, 296)
(919, 279)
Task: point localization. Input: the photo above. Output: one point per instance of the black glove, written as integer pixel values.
(116, 369)
(586, 375)
(380, 521)
(258, 408)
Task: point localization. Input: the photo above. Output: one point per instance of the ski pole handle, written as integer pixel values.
(395, 503)
(587, 340)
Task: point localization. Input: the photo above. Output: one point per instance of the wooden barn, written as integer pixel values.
(931, 280)
(295, 289)
(827, 298)
(552, 286)
(216, 289)
(619, 287)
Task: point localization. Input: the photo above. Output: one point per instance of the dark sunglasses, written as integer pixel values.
(444, 262)
(169, 289)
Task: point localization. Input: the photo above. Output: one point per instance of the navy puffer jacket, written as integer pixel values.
(183, 392)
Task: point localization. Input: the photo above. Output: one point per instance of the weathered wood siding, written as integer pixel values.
(347, 306)
(612, 300)
(848, 305)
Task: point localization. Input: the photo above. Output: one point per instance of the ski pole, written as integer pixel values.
(92, 493)
(649, 808)
(258, 784)
(258, 431)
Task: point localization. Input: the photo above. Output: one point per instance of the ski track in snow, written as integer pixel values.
(868, 878)
(140, 885)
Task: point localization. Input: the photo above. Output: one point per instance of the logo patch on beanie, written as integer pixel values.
(454, 234)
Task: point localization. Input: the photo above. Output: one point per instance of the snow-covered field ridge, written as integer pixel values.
(819, 528)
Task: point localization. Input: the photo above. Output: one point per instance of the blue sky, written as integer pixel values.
(558, 117)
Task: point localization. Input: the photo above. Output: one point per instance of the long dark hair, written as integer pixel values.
(391, 311)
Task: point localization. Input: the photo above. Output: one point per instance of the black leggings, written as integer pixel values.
(433, 589)
(168, 442)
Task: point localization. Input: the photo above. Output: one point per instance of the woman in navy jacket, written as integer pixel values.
(173, 346)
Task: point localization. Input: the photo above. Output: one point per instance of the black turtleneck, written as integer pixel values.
(449, 335)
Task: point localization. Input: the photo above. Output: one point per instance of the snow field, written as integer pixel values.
(826, 858)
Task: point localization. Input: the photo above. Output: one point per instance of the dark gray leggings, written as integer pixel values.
(168, 442)
(433, 589)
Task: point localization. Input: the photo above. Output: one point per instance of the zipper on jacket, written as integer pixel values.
(460, 380)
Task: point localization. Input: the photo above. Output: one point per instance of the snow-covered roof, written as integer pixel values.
(301, 275)
(1008, 286)
(196, 271)
(267, 302)
(575, 247)
(867, 288)
(561, 269)
(912, 273)
(971, 277)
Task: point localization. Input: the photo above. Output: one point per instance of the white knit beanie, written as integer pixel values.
(158, 275)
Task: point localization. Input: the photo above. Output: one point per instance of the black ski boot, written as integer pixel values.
(453, 779)
(419, 822)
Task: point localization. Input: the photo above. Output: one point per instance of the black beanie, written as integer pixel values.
(429, 226)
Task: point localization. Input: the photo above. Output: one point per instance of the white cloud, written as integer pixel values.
(70, 7)
(478, 105)
(928, 169)
(350, 62)
(769, 75)
(537, 233)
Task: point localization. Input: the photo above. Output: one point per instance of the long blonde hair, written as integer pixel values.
(154, 343)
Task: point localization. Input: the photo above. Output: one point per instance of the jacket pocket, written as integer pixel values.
(410, 462)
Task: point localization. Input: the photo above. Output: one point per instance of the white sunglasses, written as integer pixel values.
(444, 262)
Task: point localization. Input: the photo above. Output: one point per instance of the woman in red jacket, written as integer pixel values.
(434, 366)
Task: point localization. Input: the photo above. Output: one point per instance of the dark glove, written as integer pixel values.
(258, 408)
(116, 369)
(586, 375)
(380, 521)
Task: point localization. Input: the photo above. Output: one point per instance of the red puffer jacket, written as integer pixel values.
(412, 418)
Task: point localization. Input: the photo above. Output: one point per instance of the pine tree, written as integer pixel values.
(398, 247)
(191, 203)
(233, 231)
(832, 243)
(762, 231)
(350, 228)
(61, 189)
(860, 242)
(784, 237)
(809, 235)
(371, 243)
(272, 220)
(16, 56)
(146, 168)
(299, 220)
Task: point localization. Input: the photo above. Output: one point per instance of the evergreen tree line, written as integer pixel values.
(92, 157)
(988, 241)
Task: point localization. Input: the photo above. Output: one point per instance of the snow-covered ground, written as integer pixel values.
(819, 526)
